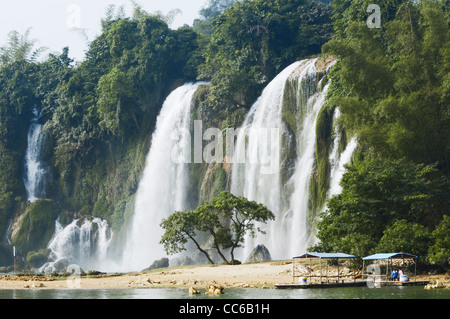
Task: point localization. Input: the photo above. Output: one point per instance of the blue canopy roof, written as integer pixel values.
(389, 256)
(325, 255)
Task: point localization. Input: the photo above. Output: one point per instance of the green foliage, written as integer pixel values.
(324, 135)
(114, 89)
(179, 227)
(439, 252)
(405, 236)
(227, 218)
(37, 258)
(103, 110)
(19, 83)
(37, 226)
(209, 13)
(377, 193)
(253, 40)
(19, 48)
(392, 84)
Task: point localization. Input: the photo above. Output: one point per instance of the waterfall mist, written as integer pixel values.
(83, 242)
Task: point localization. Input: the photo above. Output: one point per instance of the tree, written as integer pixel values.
(226, 218)
(209, 13)
(114, 89)
(180, 227)
(20, 47)
(408, 237)
(375, 194)
(439, 252)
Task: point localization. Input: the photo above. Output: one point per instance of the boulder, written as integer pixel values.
(193, 291)
(160, 263)
(181, 261)
(214, 289)
(260, 253)
(60, 266)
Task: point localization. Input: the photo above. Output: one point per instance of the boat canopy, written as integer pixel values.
(325, 255)
(389, 256)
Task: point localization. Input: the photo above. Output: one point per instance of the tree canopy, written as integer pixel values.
(227, 218)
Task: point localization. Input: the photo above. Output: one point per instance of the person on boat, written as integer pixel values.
(400, 274)
(394, 275)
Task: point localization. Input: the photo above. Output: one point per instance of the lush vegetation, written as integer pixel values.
(254, 40)
(392, 87)
(99, 113)
(226, 218)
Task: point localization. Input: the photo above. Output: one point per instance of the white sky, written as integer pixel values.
(52, 21)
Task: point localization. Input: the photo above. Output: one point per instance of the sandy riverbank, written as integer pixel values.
(258, 275)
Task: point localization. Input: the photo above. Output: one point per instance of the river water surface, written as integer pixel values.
(417, 292)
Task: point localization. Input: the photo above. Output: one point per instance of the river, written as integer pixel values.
(417, 292)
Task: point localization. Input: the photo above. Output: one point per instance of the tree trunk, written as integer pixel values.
(203, 251)
(216, 245)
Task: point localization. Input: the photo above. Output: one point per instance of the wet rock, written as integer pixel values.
(160, 263)
(182, 261)
(260, 253)
(214, 289)
(193, 291)
(37, 285)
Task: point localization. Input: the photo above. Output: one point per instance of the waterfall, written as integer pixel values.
(35, 171)
(83, 242)
(247, 176)
(288, 200)
(8, 231)
(338, 161)
(297, 215)
(339, 169)
(334, 154)
(162, 189)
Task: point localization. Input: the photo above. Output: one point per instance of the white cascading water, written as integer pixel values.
(338, 161)
(334, 154)
(338, 170)
(288, 234)
(82, 242)
(247, 178)
(35, 171)
(162, 189)
(297, 215)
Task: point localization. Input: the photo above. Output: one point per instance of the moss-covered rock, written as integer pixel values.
(37, 258)
(37, 226)
(321, 178)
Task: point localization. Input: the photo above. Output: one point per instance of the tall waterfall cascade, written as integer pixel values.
(35, 170)
(83, 243)
(287, 198)
(247, 178)
(162, 189)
